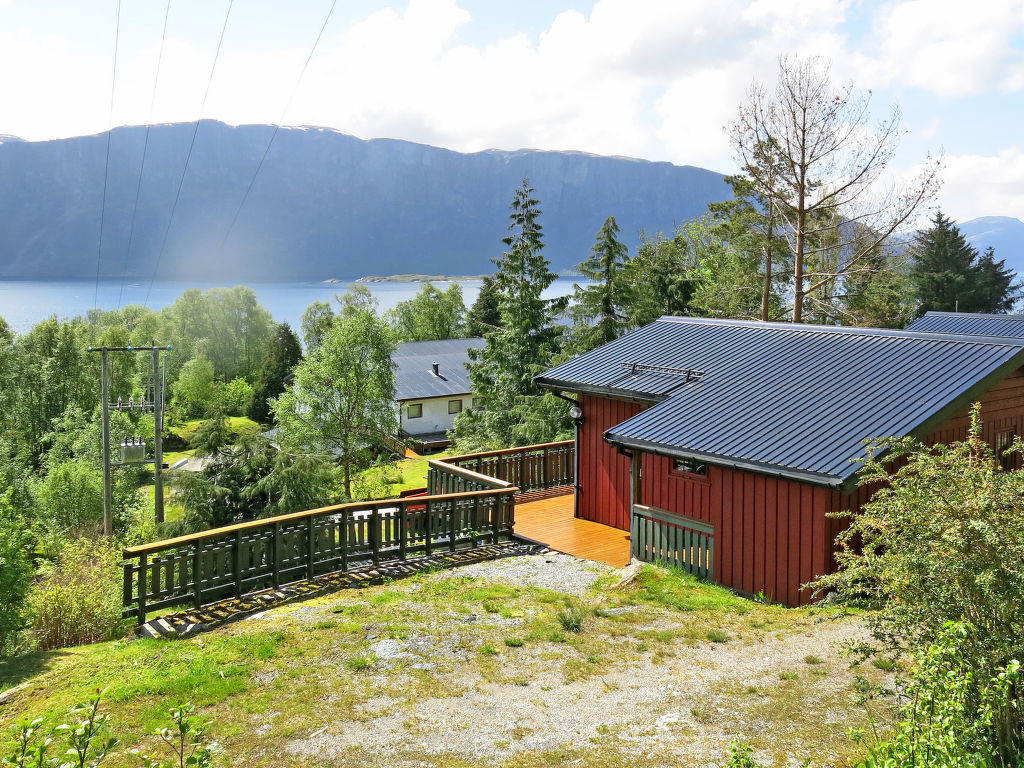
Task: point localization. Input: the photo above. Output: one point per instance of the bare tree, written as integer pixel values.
(825, 183)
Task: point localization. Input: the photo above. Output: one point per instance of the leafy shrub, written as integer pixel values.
(81, 740)
(942, 541)
(15, 572)
(186, 740)
(951, 718)
(741, 756)
(78, 600)
(235, 397)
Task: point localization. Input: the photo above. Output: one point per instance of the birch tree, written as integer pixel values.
(825, 174)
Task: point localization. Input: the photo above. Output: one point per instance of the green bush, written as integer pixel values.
(950, 717)
(15, 573)
(942, 541)
(235, 397)
(78, 600)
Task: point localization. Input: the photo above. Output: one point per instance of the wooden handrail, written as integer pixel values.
(468, 474)
(335, 509)
(507, 451)
(674, 519)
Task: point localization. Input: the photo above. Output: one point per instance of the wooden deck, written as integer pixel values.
(550, 522)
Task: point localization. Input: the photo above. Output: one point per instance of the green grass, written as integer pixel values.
(310, 664)
(239, 425)
(404, 475)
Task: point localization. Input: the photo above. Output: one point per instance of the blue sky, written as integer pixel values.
(656, 79)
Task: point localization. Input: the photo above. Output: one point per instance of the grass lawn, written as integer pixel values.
(447, 670)
(405, 475)
(240, 425)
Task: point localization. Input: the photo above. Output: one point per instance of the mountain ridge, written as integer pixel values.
(326, 204)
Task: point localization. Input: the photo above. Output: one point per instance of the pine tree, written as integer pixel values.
(997, 290)
(944, 271)
(280, 360)
(607, 298)
(502, 372)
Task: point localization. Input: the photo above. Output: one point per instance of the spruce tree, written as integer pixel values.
(280, 360)
(600, 312)
(484, 316)
(944, 268)
(997, 290)
(502, 372)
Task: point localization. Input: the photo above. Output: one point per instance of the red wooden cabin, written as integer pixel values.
(732, 441)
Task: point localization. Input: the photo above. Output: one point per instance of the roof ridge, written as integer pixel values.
(847, 330)
(987, 315)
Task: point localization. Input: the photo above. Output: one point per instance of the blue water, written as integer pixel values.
(23, 303)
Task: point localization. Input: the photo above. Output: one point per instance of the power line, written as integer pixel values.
(106, 162)
(145, 149)
(188, 157)
(277, 126)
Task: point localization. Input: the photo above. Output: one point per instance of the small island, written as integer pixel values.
(413, 278)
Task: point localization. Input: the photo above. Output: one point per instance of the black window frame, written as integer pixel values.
(408, 411)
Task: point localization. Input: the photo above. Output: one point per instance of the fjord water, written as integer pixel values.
(23, 303)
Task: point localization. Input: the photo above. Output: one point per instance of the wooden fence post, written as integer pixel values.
(197, 587)
(236, 562)
(453, 506)
(403, 532)
(143, 565)
(427, 516)
(375, 535)
(277, 556)
(310, 549)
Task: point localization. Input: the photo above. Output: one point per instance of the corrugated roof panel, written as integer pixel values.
(414, 375)
(1010, 326)
(800, 398)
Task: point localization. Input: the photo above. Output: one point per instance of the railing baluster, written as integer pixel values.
(143, 565)
(310, 548)
(375, 535)
(197, 587)
(236, 562)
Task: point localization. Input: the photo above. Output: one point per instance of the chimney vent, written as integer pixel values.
(437, 368)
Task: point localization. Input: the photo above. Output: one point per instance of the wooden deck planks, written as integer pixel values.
(550, 522)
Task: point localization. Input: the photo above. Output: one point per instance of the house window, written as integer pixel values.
(454, 406)
(1004, 441)
(414, 411)
(690, 467)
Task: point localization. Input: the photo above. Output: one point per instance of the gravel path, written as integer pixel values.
(680, 706)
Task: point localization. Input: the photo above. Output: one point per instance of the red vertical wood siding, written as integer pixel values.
(604, 472)
(771, 535)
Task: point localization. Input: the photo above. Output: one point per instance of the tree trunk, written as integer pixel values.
(767, 291)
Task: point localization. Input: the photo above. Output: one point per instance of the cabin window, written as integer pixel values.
(1004, 441)
(414, 411)
(454, 406)
(690, 467)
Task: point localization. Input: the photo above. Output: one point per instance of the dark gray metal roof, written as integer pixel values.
(414, 375)
(794, 400)
(1011, 326)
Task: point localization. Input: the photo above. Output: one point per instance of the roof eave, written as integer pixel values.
(599, 390)
(788, 473)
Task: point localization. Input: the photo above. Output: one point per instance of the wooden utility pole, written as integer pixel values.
(156, 404)
(108, 497)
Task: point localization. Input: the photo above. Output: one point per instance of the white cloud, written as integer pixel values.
(984, 185)
(949, 48)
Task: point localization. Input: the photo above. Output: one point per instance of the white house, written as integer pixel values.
(432, 387)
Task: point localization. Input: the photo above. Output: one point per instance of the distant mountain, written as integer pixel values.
(325, 204)
(1003, 233)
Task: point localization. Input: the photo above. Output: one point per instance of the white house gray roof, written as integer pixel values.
(967, 323)
(792, 400)
(414, 373)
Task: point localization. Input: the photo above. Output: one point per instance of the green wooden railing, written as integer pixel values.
(530, 469)
(676, 540)
(445, 478)
(232, 561)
